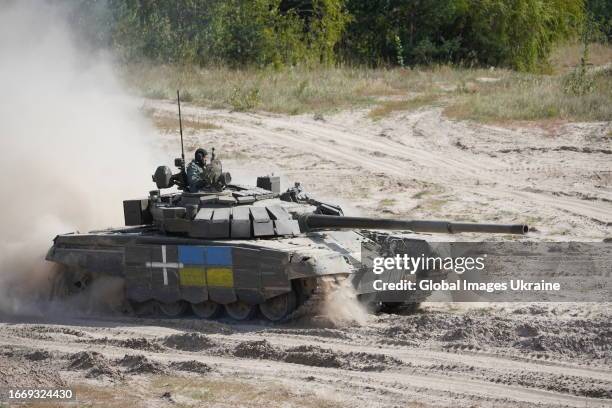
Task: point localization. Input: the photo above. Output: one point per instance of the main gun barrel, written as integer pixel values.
(315, 222)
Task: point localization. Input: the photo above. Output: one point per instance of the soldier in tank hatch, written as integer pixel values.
(198, 172)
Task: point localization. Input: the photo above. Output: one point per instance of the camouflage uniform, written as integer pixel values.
(198, 177)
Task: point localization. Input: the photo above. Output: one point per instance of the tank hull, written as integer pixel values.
(170, 269)
(175, 270)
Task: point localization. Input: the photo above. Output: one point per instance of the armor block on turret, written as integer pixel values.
(136, 212)
(271, 183)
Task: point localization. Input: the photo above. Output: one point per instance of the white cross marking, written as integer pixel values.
(165, 265)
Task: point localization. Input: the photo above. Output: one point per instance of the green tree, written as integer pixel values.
(600, 12)
(236, 32)
(515, 33)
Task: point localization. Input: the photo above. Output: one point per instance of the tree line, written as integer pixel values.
(519, 34)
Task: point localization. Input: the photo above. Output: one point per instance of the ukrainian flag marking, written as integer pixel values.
(206, 266)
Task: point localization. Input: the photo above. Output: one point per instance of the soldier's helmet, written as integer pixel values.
(201, 151)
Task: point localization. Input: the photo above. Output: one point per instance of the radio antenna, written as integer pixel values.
(178, 99)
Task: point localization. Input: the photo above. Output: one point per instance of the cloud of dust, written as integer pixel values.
(73, 144)
(340, 305)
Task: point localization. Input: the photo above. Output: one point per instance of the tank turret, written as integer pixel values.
(238, 212)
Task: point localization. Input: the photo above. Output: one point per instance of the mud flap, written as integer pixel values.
(98, 261)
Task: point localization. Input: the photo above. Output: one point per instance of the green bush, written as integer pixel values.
(244, 99)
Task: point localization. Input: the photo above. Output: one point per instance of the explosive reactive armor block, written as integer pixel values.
(136, 212)
(271, 183)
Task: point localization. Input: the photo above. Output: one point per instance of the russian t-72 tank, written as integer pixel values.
(232, 248)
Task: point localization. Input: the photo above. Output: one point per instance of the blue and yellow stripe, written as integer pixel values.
(206, 266)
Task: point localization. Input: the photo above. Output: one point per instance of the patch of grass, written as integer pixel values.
(386, 202)
(171, 124)
(293, 90)
(244, 99)
(154, 93)
(565, 58)
(536, 97)
(489, 95)
(219, 391)
(119, 395)
(194, 391)
(386, 108)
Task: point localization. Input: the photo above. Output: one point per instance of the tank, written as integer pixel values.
(236, 249)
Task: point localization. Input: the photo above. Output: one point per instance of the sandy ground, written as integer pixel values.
(557, 178)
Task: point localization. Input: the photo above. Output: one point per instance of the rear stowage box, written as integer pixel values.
(136, 212)
(271, 183)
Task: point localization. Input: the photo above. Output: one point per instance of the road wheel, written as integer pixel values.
(142, 309)
(174, 309)
(240, 310)
(207, 309)
(279, 307)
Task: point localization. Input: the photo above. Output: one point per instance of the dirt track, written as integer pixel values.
(484, 356)
(417, 165)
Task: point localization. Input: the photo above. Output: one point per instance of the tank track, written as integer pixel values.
(69, 283)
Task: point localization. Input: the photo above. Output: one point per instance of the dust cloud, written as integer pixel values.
(73, 144)
(340, 305)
